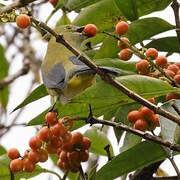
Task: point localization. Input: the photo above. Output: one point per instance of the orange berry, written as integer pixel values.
(13, 153)
(173, 68)
(122, 45)
(152, 53)
(146, 113)
(140, 124)
(67, 137)
(43, 155)
(90, 29)
(56, 142)
(62, 165)
(63, 156)
(35, 143)
(44, 134)
(177, 64)
(177, 78)
(77, 138)
(28, 166)
(33, 156)
(54, 2)
(51, 118)
(133, 116)
(58, 130)
(178, 72)
(143, 66)
(122, 27)
(155, 119)
(16, 165)
(125, 54)
(50, 149)
(86, 143)
(23, 21)
(67, 147)
(152, 100)
(73, 156)
(84, 155)
(170, 73)
(161, 61)
(172, 96)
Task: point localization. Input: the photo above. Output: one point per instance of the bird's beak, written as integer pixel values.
(80, 29)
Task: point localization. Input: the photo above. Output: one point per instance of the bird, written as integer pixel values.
(63, 74)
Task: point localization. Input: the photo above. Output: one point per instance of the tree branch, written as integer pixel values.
(106, 77)
(175, 7)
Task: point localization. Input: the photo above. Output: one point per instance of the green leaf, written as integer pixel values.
(137, 157)
(5, 172)
(36, 94)
(99, 140)
(167, 44)
(170, 130)
(64, 20)
(133, 9)
(92, 174)
(4, 66)
(59, 4)
(2, 150)
(143, 29)
(105, 20)
(78, 4)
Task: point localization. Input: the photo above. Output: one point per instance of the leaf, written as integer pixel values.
(105, 20)
(99, 140)
(104, 97)
(170, 131)
(4, 66)
(92, 174)
(2, 150)
(36, 94)
(64, 20)
(133, 9)
(78, 4)
(5, 172)
(137, 157)
(167, 44)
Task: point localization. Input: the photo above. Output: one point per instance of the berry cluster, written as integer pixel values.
(145, 118)
(55, 138)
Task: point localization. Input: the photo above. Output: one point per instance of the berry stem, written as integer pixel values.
(82, 173)
(107, 149)
(65, 175)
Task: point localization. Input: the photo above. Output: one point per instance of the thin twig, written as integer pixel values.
(175, 7)
(82, 173)
(166, 178)
(65, 175)
(107, 149)
(106, 77)
(176, 108)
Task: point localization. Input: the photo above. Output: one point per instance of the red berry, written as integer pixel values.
(170, 73)
(23, 21)
(43, 155)
(152, 53)
(125, 54)
(33, 156)
(172, 96)
(77, 138)
(146, 113)
(122, 45)
(16, 165)
(58, 130)
(63, 156)
(133, 116)
(173, 68)
(84, 156)
(35, 143)
(155, 119)
(13, 153)
(177, 78)
(152, 100)
(122, 27)
(143, 66)
(90, 29)
(56, 142)
(51, 118)
(140, 124)
(67, 137)
(54, 2)
(44, 134)
(161, 61)
(86, 143)
(177, 64)
(73, 156)
(50, 149)
(28, 166)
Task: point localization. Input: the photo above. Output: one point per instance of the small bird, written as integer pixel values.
(64, 75)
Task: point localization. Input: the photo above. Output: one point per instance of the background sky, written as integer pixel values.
(19, 136)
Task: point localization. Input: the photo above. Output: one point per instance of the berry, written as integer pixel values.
(155, 119)
(178, 72)
(35, 143)
(173, 68)
(177, 78)
(16, 165)
(33, 156)
(50, 149)
(122, 27)
(58, 130)
(146, 113)
(143, 66)
(161, 61)
(56, 142)
(77, 138)
(152, 53)
(63, 156)
(73, 156)
(44, 134)
(43, 155)
(54, 2)
(172, 96)
(86, 143)
(67, 147)
(90, 29)
(51, 118)
(133, 116)
(23, 21)
(177, 64)
(152, 100)
(125, 54)
(84, 156)
(13, 153)
(28, 166)
(67, 137)
(122, 45)
(170, 73)
(140, 124)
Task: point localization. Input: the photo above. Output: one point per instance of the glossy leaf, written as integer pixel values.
(170, 131)
(99, 140)
(36, 94)
(167, 44)
(4, 66)
(64, 20)
(137, 157)
(133, 9)
(2, 150)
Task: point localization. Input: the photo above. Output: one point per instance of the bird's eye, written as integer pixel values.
(68, 27)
